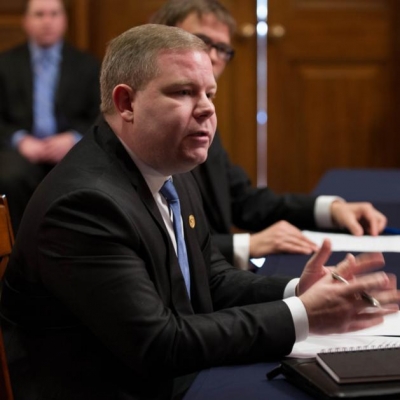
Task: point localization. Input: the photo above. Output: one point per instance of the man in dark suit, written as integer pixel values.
(49, 96)
(273, 220)
(94, 303)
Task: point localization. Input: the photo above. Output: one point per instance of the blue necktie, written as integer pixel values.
(44, 123)
(170, 194)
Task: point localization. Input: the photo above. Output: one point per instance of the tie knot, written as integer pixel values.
(168, 191)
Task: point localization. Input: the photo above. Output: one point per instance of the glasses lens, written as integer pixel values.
(224, 51)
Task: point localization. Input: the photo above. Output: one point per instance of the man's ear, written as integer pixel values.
(123, 96)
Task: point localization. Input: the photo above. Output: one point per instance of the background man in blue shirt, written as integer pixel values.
(49, 97)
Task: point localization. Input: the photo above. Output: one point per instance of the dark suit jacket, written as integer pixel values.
(94, 304)
(77, 96)
(231, 200)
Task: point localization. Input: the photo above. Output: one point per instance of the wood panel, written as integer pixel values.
(331, 86)
(10, 31)
(15, 6)
(10, 23)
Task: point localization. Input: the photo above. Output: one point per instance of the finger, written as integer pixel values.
(309, 243)
(389, 300)
(365, 320)
(320, 257)
(296, 249)
(392, 284)
(362, 263)
(382, 223)
(390, 309)
(389, 295)
(299, 245)
(345, 267)
(379, 223)
(377, 281)
(371, 219)
(354, 226)
(368, 261)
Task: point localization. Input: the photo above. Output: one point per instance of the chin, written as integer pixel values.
(201, 159)
(191, 164)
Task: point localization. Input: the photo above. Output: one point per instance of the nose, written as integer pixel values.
(204, 108)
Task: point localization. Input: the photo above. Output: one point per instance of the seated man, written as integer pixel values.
(114, 289)
(273, 220)
(49, 96)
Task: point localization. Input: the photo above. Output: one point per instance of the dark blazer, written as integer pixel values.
(94, 305)
(230, 200)
(77, 96)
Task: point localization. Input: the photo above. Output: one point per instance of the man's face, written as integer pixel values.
(173, 116)
(45, 21)
(217, 31)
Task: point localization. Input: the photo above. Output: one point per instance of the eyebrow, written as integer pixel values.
(187, 83)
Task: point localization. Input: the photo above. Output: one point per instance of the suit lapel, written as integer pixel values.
(179, 298)
(200, 293)
(64, 74)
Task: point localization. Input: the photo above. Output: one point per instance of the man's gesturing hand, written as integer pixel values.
(333, 307)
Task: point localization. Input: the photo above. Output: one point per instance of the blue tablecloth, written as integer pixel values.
(382, 188)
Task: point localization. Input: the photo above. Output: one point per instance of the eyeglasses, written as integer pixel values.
(224, 51)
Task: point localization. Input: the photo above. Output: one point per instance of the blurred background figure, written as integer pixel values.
(49, 97)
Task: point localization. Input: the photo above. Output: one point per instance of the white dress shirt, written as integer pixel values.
(323, 219)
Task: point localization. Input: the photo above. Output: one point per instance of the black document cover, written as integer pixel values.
(306, 374)
(372, 365)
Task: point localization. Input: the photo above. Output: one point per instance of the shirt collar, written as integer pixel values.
(53, 51)
(153, 178)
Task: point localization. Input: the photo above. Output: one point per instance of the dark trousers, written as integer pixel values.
(18, 180)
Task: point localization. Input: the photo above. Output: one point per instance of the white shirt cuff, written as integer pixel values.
(300, 319)
(241, 250)
(290, 289)
(322, 211)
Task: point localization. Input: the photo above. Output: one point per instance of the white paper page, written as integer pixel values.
(345, 242)
(389, 327)
(372, 337)
(328, 343)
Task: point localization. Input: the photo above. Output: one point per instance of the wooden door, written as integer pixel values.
(236, 97)
(332, 88)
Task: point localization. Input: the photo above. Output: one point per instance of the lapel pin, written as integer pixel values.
(192, 221)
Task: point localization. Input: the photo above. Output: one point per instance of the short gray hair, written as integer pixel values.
(131, 58)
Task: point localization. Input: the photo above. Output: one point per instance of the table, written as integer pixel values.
(382, 188)
(374, 185)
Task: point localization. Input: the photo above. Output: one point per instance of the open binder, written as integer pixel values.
(306, 374)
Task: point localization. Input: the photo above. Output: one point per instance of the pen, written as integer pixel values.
(371, 300)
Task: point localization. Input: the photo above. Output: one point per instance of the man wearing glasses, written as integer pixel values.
(228, 196)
